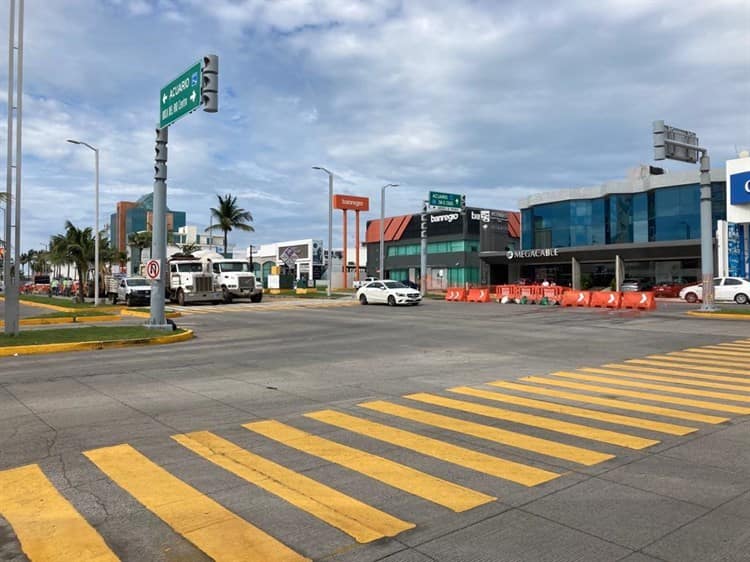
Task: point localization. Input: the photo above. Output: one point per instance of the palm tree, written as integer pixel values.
(139, 241)
(229, 215)
(79, 245)
(188, 248)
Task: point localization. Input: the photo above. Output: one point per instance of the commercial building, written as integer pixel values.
(648, 226)
(131, 217)
(453, 245)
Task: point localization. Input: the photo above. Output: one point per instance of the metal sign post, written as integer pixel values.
(678, 144)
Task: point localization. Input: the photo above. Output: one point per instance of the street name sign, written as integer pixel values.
(181, 96)
(445, 200)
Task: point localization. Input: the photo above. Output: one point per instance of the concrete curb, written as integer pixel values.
(64, 320)
(139, 314)
(717, 315)
(91, 345)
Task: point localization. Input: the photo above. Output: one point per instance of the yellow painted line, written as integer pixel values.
(611, 403)
(652, 386)
(722, 358)
(461, 456)
(551, 424)
(708, 350)
(410, 480)
(692, 359)
(668, 428)
(213, 529)
(511, 438)
(48, 527)
(355, 518)
(679, 377)
(643, 395)
(737, 348)
(719, 315)
(734, 345)
(680, 364)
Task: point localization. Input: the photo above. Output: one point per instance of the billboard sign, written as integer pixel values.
(351, 203)
(738, 190)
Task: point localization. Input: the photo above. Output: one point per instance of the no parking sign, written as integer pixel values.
(153, 269)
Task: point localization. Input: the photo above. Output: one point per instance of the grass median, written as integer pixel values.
(85, 334)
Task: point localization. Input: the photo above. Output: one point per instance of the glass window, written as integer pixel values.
(730, 281)
(717, 281)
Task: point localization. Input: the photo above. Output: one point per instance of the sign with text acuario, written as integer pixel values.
(445, 200)
(180, 96)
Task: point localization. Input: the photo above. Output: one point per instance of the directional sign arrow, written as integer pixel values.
(192, 96)
(164, 98)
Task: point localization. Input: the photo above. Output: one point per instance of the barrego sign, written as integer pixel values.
(351, 203)
(536, 253)
(449, 218)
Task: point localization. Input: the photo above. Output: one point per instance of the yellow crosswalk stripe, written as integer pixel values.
(671, 362)
(551, 424)
(434, 489)
(679, 377)
(511, 438)
(213, 529)
(461, 456)
(686, 358)
(737, 350)
(652, 386)
(48, 527)
(612, 403)
(709, 351)
(722, 358)
(661, 427)
(357, 519)
(643, 395)
(734, 345)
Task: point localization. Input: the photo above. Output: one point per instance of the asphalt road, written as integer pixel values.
(557, 479)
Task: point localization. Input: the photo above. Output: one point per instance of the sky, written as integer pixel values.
(493, 99)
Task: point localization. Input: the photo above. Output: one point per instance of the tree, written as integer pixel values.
(79, 246)
(188, 248)
(139, 241)
(229, 216)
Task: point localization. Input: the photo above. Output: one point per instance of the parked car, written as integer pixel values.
(734, 289)
(363, 282)
(388, 292)
(669, 290)
(636, 285)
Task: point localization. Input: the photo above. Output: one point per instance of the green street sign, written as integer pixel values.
(452, 200)
(181, 96)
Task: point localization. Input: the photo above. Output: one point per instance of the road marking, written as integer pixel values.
(48, 527)
(687, 358)
(670, 362)
(741, 350)
(611, 403)
(679, 377)
(357, 519)
(642, 423)
(551, 424)
(643, 395)
(215, 530)
(431, 488)
(511, 438)
(735, 345)
(461, 456)
(716, 352)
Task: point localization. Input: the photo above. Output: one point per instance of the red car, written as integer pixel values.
(669, 290)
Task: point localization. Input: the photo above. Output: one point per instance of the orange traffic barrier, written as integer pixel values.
(510, 291)
(480, 294)
(455, 294)
(531, 292)
(553, 294)
(576, 298)
(639, 300)
(606, 299)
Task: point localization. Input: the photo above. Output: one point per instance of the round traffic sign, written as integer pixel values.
(153, 269)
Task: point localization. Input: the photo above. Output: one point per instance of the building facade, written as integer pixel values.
(647, 225)
(131, 217)
(453, 245)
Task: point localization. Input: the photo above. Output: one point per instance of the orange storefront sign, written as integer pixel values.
(351, 203)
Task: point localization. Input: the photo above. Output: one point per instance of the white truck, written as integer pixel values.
(236, 279)
(129, 289)
(189, 281)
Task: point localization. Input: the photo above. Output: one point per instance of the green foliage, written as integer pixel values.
(229, 216)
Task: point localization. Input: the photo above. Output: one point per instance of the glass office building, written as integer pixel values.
(651, 222)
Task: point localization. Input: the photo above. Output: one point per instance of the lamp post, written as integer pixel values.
(382, 228)
(96, 219)
(330, 228)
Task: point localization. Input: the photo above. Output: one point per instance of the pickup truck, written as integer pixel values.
(130, 290)
(363, 282)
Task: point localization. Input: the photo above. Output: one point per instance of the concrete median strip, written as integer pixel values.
(718, 315)
(7, 351)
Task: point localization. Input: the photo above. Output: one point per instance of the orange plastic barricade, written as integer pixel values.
(455, 294)
(605, 299)
(531, 292)
(480, 294)
(576, 298)
(553, 294)
(639, 300)
(510, 291)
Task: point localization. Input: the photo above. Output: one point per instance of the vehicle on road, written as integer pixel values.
(670, 289)
(388, 292)
(129, 290)
(236, 279)
(734, 289)
(411, 284)
(362, 282)
(190, 281)
(630, 285)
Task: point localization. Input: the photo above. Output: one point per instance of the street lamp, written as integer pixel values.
(96, 220)
(382, 220)
(330, 227)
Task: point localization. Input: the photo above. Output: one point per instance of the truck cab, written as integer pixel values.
(188, 281)
(236, 279)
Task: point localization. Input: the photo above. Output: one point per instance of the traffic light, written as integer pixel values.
(210, 83)
(423, 222)
(463, 202)
(160, 165)
(660, 152)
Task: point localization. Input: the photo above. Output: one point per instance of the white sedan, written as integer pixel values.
(388, 292)
(734, 289)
